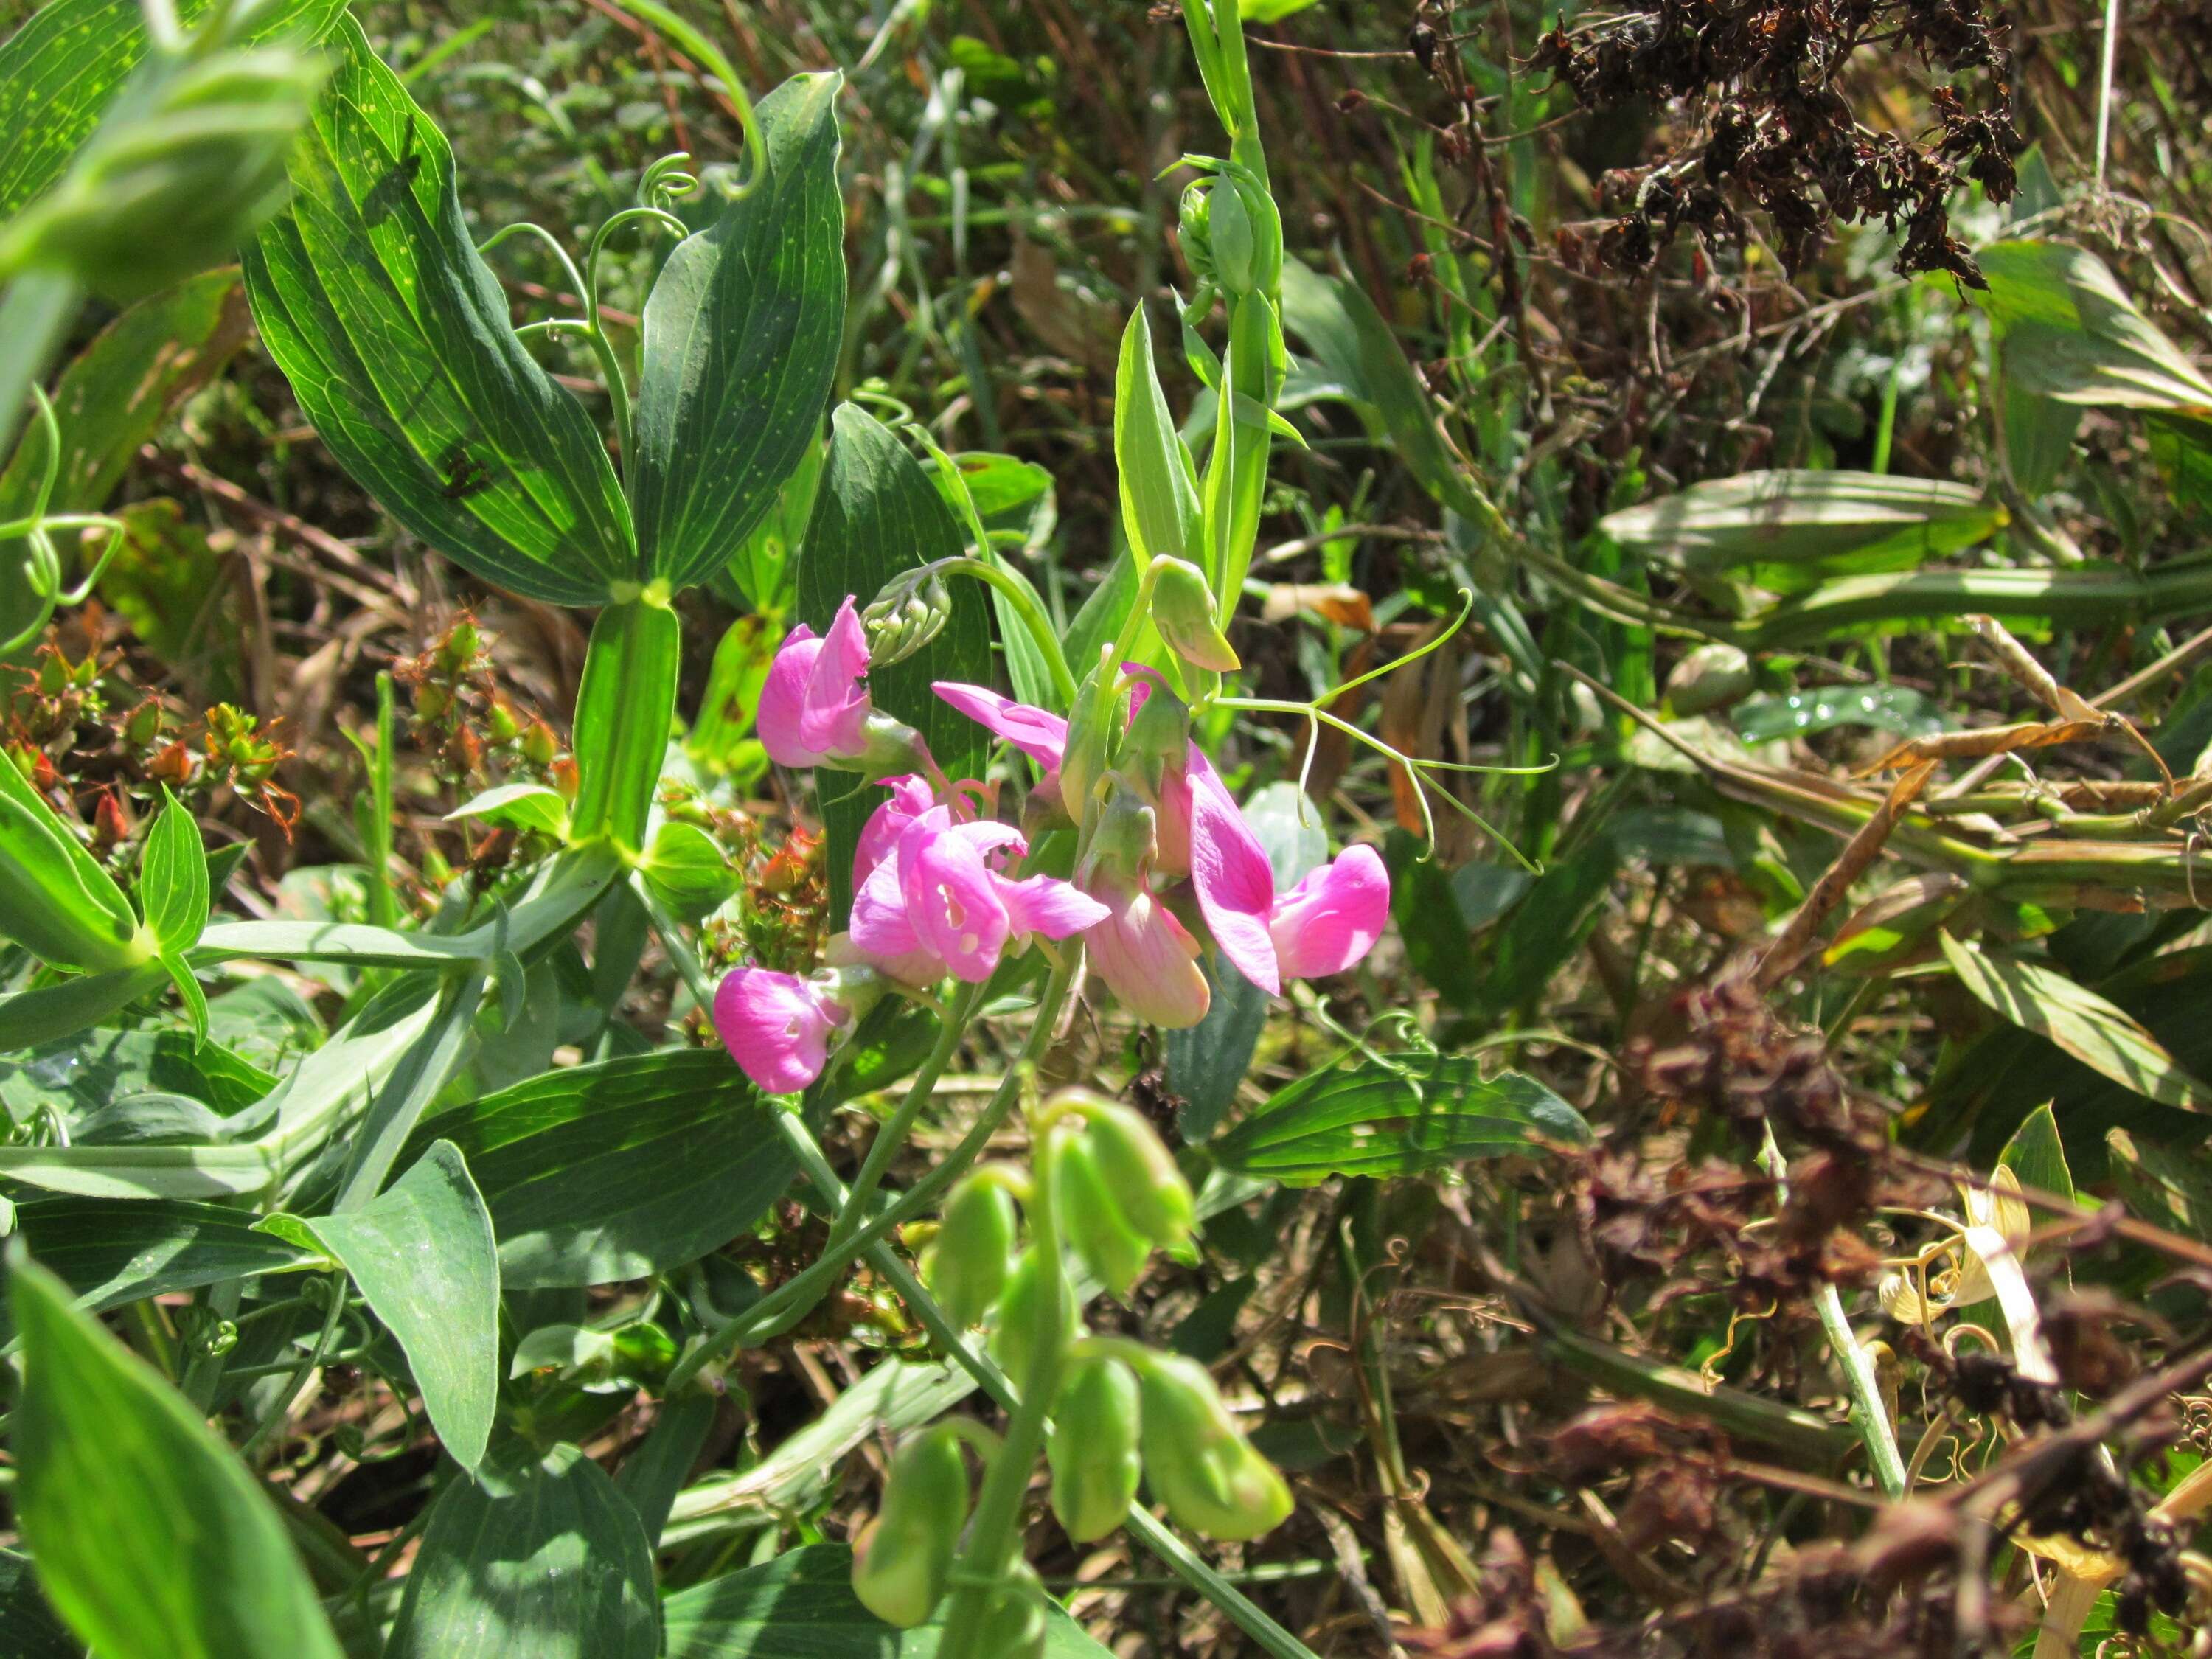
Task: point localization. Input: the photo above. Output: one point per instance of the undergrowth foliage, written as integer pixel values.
(1271, 829)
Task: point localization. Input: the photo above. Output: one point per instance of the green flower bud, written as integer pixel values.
(909, 613)
(55, 900)
(1236, 242)
(1182, 610)
(1710, 677)
(188, 161)
(1093, 1449)
(1158, 740)
(1094, 1223)
(1090, 735)
(1140, 1174)
(1013, 1622)
(1194, 218)
(1198, 1462)
(1128, 836)
(969, 1262)
(902, 1562)
(1013, 1344)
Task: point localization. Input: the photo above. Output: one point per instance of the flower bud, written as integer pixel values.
(970, 1263)
(1140, 1173)
(1158, 740)
(1013, 1622)
(1127, 835)
(1236, 240)
(142, 725)
(1198, 1462)
(1013, 1344)
(1183, 611)
(1089, 736)
(902, 1561)
(1094, 1223)
(1093, 1449)
(909, 613)
(1194, 226)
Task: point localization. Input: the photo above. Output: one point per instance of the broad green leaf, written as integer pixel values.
(1431, 922)
(1548, 925)
(620, 1169)
(1416, 1113)
(173, 878)
(55, 900)
(2100, 1035)
(89, 1072)
(2070, 332)
(28, 1628)
(625, 707)
(2037, 1155)
(1789, 529)
(719, 740)
(60, 70)
(519, 806)
(801, 1606)
(878, 514)
(1207, 1063)
(110, 1251)
(371, 296)
(1800, 714)
(741, 336)
(151, 1539)
(652, 1473)
(134, 1172)
(51, 1013)
(1158, 480)
(687, 870)
(421, 1255)
(2163, 1184)
(764, 572)
(547, 1561)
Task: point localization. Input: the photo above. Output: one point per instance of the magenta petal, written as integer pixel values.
(1048, 905)
(911, 798)
(1332, 918)
(833, 717)
(1038, 734)
(776, 1028)
(882, 928)
(1230, 871)
(783, 698)
(951, 897)
(1148, 959)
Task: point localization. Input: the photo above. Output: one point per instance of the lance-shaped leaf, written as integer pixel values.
(2070, 332)
(55, 900)
(1400, 1114)
(421, 1254)
(1790, 528)
(371, 296)
(742, 332)
(173, 878)
(150, 1536)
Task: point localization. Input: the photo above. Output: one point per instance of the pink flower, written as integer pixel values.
(1038, 734)
(1333, 917)
(776, 1028)
(940, 902)
(814, 707)
(911, 797)
(1146, 958)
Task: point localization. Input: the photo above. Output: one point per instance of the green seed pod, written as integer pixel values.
(1182, 610)
(1013, 1622)
(1147, 1188)
(55, 900)
(1708, 677)
(1198, 1462)
(1013, 1344)
(974, 1248)
(1093, 1449)
(902, 1562)
(1236, 246)
(1095, 1225)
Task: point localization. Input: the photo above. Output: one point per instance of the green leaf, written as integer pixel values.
(2101, 1036)
(652, 1473)
(1800, 714)
(88, 1073)
(763, 572)
(618, 1169)
(110, 1251)
(1416, 1113)
(624, 707)
(519, 806)
(151, 1539)
(371, 296)
(55, 900)
(1158, 479)
(421, 1254)
(687, 870)
(718, 742)
(62, 69)
(2070, 332)
(129, 1171)
(741, 336)
(2163, 1184)
(1789, 529)
(1548, 925)
(547, 1559)
(172, 877)
(877, 515)
(2038, 1156)
(801, 1606)
(28, 1628)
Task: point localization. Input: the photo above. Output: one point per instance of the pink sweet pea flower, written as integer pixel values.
(911, 797)
(1146, 958)
(814, 706)
(1333, 917)
(1038, 734)
(776, 1027)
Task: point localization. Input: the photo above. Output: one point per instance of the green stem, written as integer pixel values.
(893, 1134)
(1029, 609)
(282, 1406)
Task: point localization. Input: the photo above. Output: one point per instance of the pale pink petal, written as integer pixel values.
(990, 838)
(882, 928)
(833, 718)
(951, 897)
(1038, 734)
(1048, 905)
(911, 798)
(783, 696)
(1332, 918)
(1230, 874)
(1147, 958)
(776, 1028)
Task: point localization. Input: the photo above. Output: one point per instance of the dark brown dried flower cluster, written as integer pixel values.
(1757, 82)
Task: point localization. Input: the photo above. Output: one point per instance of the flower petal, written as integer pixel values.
(1038, 732)
(1048, 905)
(1230, 871)
(882, 928)
(833, 717)
(911, 798)
(951, 895)
(776, 1028)
(1148, 959)
(783, 695)
(1333, 917)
